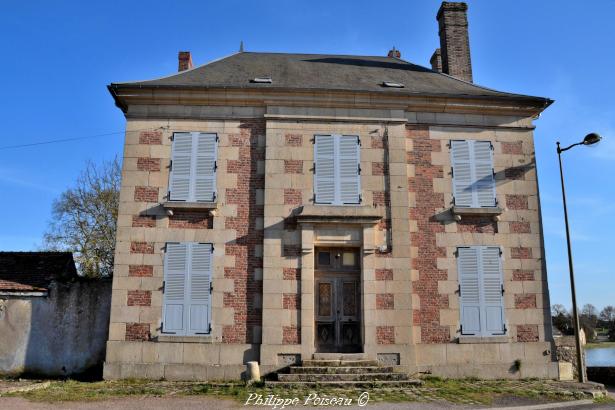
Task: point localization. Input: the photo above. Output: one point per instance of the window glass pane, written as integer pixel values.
(324, 258)
(348, 259)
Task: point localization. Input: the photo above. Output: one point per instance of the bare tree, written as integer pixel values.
(561, 319)
(85, 218)
(608, 314)
(558, 310)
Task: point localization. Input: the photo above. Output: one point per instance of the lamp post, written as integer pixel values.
(589, 139)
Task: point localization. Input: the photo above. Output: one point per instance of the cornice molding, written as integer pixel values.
(521, 107)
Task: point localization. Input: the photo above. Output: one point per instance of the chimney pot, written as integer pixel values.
(394, 53)
(185, 61)
(454, 40)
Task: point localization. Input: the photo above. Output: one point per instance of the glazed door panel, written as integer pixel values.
(338, 313)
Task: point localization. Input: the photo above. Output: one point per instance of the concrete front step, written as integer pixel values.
(346, 363)
(337, 377)
(360, 383)
(339, 356)
(340, 370)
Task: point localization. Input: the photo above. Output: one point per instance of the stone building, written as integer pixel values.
(275, 206)
(52, 322)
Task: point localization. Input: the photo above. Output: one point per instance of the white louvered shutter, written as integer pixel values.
(469, 281)
(473, 181)
(174, 301)
(492, 303)
(462, 173)
(181, 167)
(484, 185)
(200, 285)
(324, 176)
(204, 158)
(348, 160)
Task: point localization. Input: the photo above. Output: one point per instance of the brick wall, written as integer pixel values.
(423, 238)
(139, 298)
(527, 333)
(247, 315)
(385, 335)
(137, 332)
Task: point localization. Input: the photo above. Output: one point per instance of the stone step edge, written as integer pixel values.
(337, 374)
(411, 382)
(340, 363)
(390, 369)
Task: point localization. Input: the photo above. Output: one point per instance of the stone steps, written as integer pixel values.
(339, 363)
(340, 369)
(341, 377)
(360, 383)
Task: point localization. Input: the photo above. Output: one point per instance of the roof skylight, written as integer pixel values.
(262, 80)
(392, 84)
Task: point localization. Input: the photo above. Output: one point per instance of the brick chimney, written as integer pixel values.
(436, 61)
(394, 53)
(185, 61)
(454, 42)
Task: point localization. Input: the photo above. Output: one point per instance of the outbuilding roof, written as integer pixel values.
(34, 271)
(322, 72)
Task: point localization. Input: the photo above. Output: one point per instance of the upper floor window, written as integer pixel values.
(481, 291)
(473, 180)
(193, 167)
(337, 169)
(187, 289)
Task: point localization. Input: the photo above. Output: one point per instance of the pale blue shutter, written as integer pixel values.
(469, 283)
(483, 174)
(348, 160)
(473, 181)
(492, 303)
(174, 297)
(204, 158)
(200, 287)
(324, 163)
(181, 164)
(462, 173)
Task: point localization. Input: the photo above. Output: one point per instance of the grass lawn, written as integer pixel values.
(599, 345)
(464, 391)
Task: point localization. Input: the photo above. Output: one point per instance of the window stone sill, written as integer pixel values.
(185, 339)
(339, 214)
(460, 212)
(483, 339)
(170, 206)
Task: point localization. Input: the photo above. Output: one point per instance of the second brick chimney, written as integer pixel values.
(185, 61)
(454, 41)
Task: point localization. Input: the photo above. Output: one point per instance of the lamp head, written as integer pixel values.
(591, 139)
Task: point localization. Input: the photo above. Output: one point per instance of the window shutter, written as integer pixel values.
(493, 307)
(204, 157)
(473, 181)
(469, 281)
(462, 173)
(200, 285)
(349, 162)
(483, 174)
(175, 272)
(324, 177)
(181, 157)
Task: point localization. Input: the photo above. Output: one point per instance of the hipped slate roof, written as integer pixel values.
(322, 72)
(34, 271)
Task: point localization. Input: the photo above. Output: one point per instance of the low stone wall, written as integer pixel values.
(60, 334)
(605, 375)
(565, 351)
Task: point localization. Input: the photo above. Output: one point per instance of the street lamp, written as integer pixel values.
(589, 139)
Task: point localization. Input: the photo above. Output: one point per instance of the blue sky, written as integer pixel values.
(58, 58)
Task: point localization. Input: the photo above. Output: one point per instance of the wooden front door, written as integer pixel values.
(338, 296)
